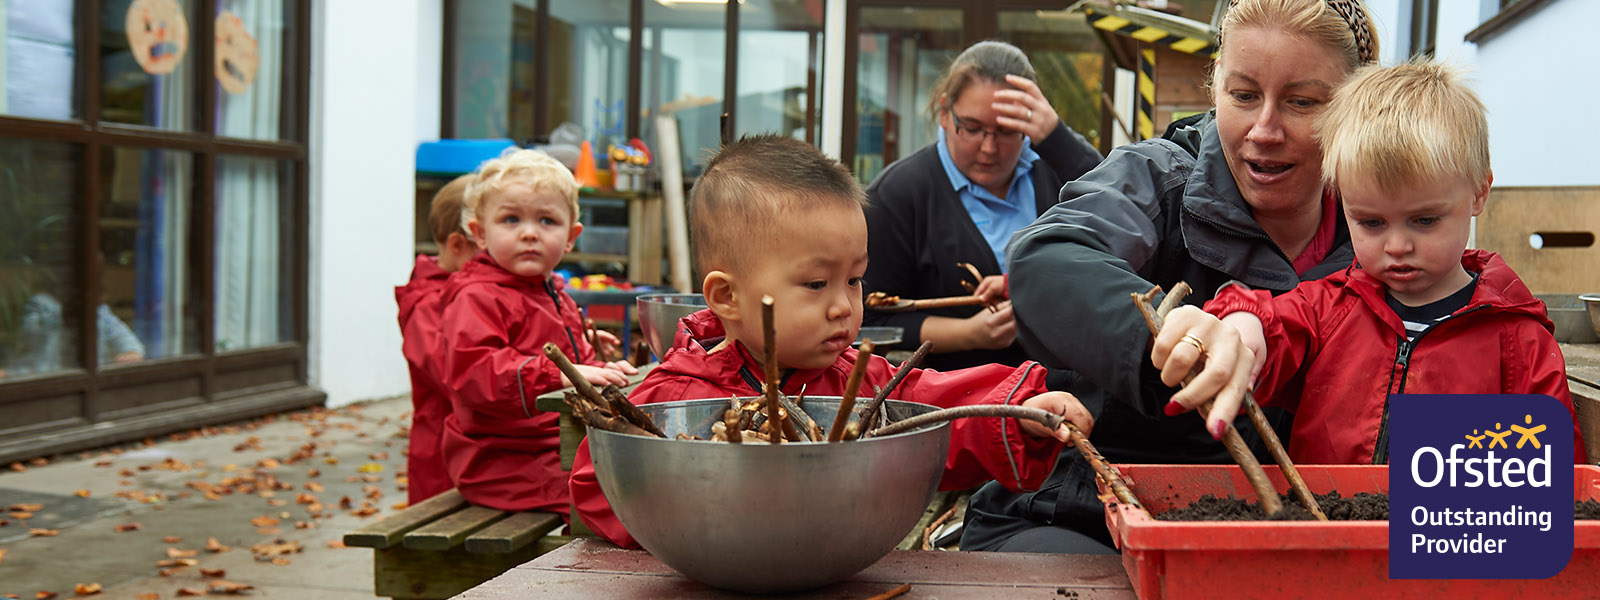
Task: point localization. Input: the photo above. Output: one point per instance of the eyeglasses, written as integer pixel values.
(976, 134)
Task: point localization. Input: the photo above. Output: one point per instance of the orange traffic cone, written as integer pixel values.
(586, 175)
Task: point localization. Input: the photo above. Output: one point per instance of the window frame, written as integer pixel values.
(167, 394)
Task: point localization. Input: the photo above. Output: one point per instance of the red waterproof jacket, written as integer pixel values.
(502, 452)
(1335, 351)
(980, 449)
(419, 341)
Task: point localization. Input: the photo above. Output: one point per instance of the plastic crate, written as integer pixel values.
(1301, 559)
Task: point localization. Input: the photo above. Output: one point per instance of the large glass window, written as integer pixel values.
(684, 59)
(483, 32)
(146, 238)
(589, 87)
(147, 72)
(36, 59)
(780, 68)
(253, 286)
(1068, 58)
(903, 52)
(248, 67)
(39, 309)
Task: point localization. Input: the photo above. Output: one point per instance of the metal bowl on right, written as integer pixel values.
(659, 314)
(1591, 303)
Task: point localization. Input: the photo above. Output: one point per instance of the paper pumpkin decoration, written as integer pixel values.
(236, 58)
(158, 35)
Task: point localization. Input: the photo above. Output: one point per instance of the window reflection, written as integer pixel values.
(780, 67)
(147, 71)
(684, 56)
(253, 253)
(36, 43)
(40, 320)
(146, 238)
(903, 52)
(1068, 58)
(589, 87)
(248, 66)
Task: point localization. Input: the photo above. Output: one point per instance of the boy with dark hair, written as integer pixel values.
(772, 216)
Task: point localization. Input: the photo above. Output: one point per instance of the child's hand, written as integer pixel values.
(1060, 403)
(1191, 336)
(622, 366)
(606, 344)
(992, 289)
(600, 376)
(992, 330)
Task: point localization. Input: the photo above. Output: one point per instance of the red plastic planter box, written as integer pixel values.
(1301, 559)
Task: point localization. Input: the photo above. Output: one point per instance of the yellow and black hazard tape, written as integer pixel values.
(1153, 35)
(1145, 120)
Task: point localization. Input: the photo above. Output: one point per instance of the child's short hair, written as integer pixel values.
(749, 184)
(532, 168)
(444, 218)
(1405, 124)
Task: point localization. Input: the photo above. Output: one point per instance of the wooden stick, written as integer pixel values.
(1154, 319)
(945, 302)
(731, 420)
(619, 404)
(847, 402)
(1009, 411)
(578, 382)
(801, 420)
(1103, 468)
(898, 590)
(870, 416)
(769, 335)
(597, 417)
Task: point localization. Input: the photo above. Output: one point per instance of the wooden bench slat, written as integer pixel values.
(513, 532)
(448, 532)
(388, 532)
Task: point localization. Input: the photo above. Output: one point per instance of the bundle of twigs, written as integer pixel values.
(774, 417)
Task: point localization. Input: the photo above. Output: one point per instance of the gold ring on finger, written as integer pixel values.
(1198, 345)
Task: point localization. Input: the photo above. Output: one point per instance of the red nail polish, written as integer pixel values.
(1218, 428)
(1172, 408)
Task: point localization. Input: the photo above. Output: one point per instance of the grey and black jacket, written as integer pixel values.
(1153, 213)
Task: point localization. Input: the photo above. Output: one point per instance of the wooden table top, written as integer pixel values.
(591, 568)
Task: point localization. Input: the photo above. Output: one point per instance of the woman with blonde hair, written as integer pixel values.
(1232, 195)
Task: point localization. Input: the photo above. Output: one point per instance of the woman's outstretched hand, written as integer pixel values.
(1191, 336)
(1025, 109)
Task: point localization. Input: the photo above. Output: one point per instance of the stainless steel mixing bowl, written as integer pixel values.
(765, 518)
(659, 314)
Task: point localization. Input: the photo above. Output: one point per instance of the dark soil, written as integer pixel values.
(1586, 509)
(1365, 506)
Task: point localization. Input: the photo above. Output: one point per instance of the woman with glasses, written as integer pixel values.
(1233, 195)
(1001, 157)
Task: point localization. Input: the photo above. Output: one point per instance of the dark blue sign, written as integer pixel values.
(1480, 486)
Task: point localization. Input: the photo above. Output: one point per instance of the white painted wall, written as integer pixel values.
(430, 67)
(1538, 89)
(363, 143)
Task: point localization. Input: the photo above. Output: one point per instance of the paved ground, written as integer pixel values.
(277, 492)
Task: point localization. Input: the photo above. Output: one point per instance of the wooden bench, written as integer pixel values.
(444, 546)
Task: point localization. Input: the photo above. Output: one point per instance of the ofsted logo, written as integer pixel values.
(1486, 487)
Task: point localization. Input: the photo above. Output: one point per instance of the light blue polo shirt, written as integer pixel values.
(996, 218)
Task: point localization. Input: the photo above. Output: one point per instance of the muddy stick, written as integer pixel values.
(769, 337)
(803, 421)
(870, 416)
(847, 402)
(1008, 411)
(619, 404)
(1103, 468)
(1235, 445)
(599, 418)
(731, 420)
